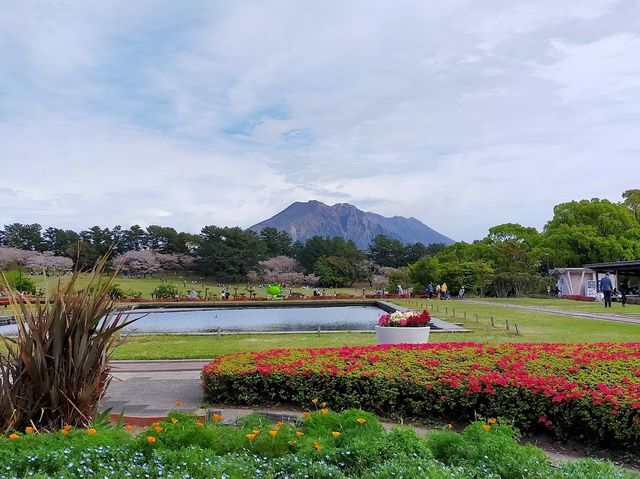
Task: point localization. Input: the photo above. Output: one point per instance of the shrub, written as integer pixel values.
(182, 446)
(57, 368)
(587, 392)
(20, 283)
(166, 291)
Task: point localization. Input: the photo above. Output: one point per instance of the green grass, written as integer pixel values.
(632, 310)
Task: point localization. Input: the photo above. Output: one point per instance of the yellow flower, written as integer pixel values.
(361, 420)
(174, 420)
(28, 430)
(155, 424)
(486, 427)
(306, 415)
(273, 433)
(151, 439)
(129, 427)
(324, 411)
(335, 434)
(199, 425)
(492, 421)
(158, 429)
(324, 404)
(279, 424)
(64, 432)
(314, 401)
(14, 437)
(67, 427)
(299, 434)
(256, 432)
(251, 437)
(217, 417)
(91, 431)
(316, 446)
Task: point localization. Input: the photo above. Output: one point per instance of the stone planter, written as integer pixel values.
(392, 335)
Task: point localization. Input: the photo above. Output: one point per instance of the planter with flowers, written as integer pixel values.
(403, 327)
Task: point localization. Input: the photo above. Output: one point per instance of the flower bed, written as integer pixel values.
(583, 391)
(324, 445)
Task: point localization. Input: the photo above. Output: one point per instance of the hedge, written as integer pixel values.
(587, 392)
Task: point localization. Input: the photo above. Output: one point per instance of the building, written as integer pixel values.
(626, 274)
(577, 281)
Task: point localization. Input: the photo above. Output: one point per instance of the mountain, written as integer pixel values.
(304, 220)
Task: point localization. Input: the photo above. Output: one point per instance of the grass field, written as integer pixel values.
(533, 327)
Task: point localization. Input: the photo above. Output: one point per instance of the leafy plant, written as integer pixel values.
(57, 368)
(165, 291)
(19, 282)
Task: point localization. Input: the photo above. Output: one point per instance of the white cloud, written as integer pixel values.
(464, 115)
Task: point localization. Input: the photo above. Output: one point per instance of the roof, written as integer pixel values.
(615, 266)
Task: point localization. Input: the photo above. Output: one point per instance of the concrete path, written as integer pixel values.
(579, 314)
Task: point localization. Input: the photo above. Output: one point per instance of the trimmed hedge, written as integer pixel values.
(587, 392)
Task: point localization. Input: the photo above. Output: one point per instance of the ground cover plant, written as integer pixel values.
(588, 392)
(323, 445)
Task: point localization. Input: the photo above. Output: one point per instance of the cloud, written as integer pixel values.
(464, 115)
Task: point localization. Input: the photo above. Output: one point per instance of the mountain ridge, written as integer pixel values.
(303, 220)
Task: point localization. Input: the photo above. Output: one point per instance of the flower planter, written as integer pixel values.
(402, 335)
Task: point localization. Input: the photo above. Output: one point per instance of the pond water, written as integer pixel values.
(337, 318)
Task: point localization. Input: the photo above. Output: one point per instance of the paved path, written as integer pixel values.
(564, 312)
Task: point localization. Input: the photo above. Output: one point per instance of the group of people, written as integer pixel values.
(607, 289)
(441, 291)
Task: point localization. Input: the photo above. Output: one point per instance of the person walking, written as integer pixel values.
(437, 291)
(430, 290)
(606, 287)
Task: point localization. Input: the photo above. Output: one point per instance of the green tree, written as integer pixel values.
(22, 236)
(228, 254)
(277, 243)
(385, 251)
(59, 241)
(318, 246)
(632, 200)
(335, 272)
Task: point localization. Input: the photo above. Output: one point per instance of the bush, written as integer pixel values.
(17, 281)
(165, 291)
(325, 445)
(587, 392)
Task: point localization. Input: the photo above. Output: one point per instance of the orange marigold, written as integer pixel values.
(217, 417)
(151, 439)
(91, 431)
(316, 446)
(28, 430)
(199, 425)
(324, 411)
(14, 437)
(335, 434)
(361, 420)
(486, 427)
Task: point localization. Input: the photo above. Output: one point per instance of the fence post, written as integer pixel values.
(465, 315)
(517, 330)
(506, 323)
(477, 319)
(453, 312)
(218, 334)
(493, 324)
(446, 311)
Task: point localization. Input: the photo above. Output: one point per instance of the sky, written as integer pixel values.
(462, 114)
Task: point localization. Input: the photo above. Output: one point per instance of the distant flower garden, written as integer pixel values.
(589, 391)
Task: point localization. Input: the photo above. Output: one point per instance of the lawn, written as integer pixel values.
(533, 327)
(632, 310)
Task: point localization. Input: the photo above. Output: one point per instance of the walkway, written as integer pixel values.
(564, 312)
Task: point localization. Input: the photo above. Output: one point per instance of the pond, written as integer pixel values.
(209, 320)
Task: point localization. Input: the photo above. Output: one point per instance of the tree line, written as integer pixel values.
(511, 259)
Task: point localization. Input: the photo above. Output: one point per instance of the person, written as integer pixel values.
(430, 290)
(400, 290)
(606, 287)
(623, 298)
(437, 291)
(444, 289)
(461, 293)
